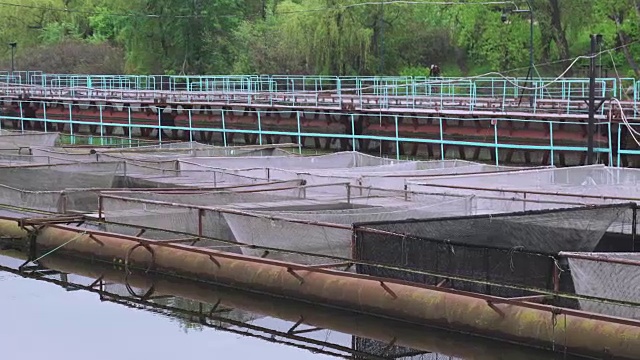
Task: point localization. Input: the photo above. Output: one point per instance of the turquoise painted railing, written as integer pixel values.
(389, 92)
(495, 144)
(396, 85)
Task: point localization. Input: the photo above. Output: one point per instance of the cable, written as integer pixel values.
(633, 132)
(336, 7)
(401, 2)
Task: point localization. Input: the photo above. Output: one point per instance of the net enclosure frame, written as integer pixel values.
(448, 263)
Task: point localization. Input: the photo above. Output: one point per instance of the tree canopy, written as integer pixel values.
(333, 37)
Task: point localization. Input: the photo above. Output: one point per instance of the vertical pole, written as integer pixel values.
(551, 143)
(353, 132)
(610, 145)
(259, 128)
(13, 53)
(100, 207)
(634, 224)
(592, 98)
(224, 129)
(397, 139)
(159, 125)
(530, 37)
(71, 120)
(619, 136)
(381, 38)
(441, 141)
(200, 216)
(44, 115)
(101, 126)
(299, 135)
(556, 275)
(191, 126)
(129, 118)
(495, 138)
(21, 117)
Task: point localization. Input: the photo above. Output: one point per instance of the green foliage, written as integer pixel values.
(337, 37)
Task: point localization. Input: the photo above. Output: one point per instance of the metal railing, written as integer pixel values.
(494, 136)
(428, 98)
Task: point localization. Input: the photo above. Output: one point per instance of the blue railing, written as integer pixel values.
(299, 128)
(389, 92)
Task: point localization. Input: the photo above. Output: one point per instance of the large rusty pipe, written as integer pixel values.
(385, 331)
(495, 317)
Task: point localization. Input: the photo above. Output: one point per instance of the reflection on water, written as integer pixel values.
(78, 310)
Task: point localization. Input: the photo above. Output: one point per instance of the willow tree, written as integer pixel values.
(182, 36)
(23, 24)
(621, 28)
(492, 41)
(339, 41)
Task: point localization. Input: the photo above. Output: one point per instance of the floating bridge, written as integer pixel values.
(501, 120)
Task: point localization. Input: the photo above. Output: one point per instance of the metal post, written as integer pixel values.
(531, 57)
(530, 37)
(595, 39)
(13, 53)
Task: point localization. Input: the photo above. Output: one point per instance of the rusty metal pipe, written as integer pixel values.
(604, 259)
(517, 321)
(402, 334)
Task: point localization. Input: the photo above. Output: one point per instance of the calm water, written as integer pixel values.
(44, 320)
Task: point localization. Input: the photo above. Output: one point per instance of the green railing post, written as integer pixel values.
(441, 140)
(495, 139)
(552, 151)
(129, 119)
(224, 129)
(191, 125)
(299, 134)
(21, 117)
(44, 115)
(619, 138)
(159, 125)
(71, 122)
(259, 128)
(397, 138)
(610, 146)
(353, 132)
(101, 126)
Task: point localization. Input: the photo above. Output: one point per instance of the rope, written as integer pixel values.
(61, 246)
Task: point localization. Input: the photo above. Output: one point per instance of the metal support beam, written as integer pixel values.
(595, 40)
(13, 46)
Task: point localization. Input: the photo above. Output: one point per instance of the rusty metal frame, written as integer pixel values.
(292, 267)
(533, 192)
(353, 262)
(592, 257)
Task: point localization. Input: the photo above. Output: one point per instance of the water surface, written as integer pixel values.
(45, 320)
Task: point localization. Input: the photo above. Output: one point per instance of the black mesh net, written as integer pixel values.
(378, 349)
(506, 255)
(548, 231)
(484, 265)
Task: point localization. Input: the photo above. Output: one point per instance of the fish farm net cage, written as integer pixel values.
(613, 276)
(593, 184)
(482, 254)
(16, 142)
